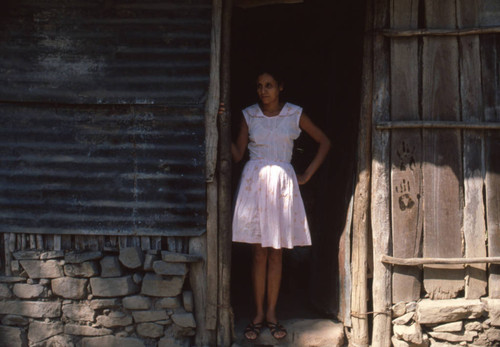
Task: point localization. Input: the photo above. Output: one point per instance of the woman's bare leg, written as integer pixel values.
(275, 257)
(259, 264)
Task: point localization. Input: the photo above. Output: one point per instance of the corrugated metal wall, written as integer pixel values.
(102, 116)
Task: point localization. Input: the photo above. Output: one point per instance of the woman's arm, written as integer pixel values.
(319, 136)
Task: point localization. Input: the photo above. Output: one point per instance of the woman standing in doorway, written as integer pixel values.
(269, 211)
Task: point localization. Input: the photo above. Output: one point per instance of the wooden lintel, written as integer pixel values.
(440, 32)
(437, 125)
(256, 3)
(427, 261)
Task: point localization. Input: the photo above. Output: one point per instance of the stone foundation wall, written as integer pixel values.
(440, 323)
(123, 298)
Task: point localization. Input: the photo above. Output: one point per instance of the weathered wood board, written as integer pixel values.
(491, 97)
(406, 154)
(472, 110)
(441, 154)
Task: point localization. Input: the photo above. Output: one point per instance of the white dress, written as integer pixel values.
(269, 209)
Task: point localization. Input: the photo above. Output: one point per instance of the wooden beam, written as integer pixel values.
(440, 32)
(469, 125)
(257, 3)
(424, 261)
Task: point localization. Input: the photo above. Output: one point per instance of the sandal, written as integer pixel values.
(253, 328)
(275, 329)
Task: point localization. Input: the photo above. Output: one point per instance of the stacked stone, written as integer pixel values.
(442, 323)
(130, 298)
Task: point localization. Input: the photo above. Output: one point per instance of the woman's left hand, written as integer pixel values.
(303, 178)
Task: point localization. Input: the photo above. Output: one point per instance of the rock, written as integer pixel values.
(31, 255)
(136, 302)
(42, 269)
(114, 321)
(78, 312)
(443, 311)
(476, 326)
(12, 337)
(85, 269)
(411, 333)
(493, 335)
(84, 330)
(110, 267)
(164, 268)
(11, 279)
(174, 257)
(15, 266)
(52, 255)
(151, 330)
(149, 316)
(164, 322)
(449, 327)
(39, 331)
(401, 343)
(137, 278)
(411, 306)
(169, 341)
(34, 309)
(56, 341)
(185, 320)
(187, 299)
(121, 334)
(148, 261)
(80, 257)
(69, 287)
(167, 303)
(44, 281)
(5, 292)
(131, 257)
(97, 304)
(154, 285)
(493, 307)
(399, 309)
(111, 287)
(12, 319)
(111, 341)
(454, 337)
(404, 318)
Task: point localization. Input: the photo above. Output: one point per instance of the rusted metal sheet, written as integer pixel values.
(102, 170)
(110, 52)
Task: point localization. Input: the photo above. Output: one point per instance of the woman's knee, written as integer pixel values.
(259, 254)
(275, 255)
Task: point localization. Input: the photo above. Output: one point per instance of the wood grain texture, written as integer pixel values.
(345, 280)
(491, 97)
(472, 110)
(441, 153)
(406, 154)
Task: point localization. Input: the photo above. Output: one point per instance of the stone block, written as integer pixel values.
(30, 255)
(33, 309)
(401, 343)
(69, 287)
(399, 309)
(85, 330)
(42, 268)
(148, 261)
(78, 312)
(493, 308)
(5, 292)
(493, 336)
(56, 341)
(136, 302)
(111, 341)
(449, 327)
(404, 318)
(113, 321)
(137, 278)
(474, 325)
(171, 269)
(154, 285)
(39, 331)
(169, 341)
(174, 257)
(110, 267)
(111, 287)
(444, 311)
(97, 304)
(12, 319)
(13, 337)
(410, 333)
(131, 257)
(28, 291)
(167, 303)
(150, 330)
(15, 266)
(80, 257)
(454, 337)
(149, 316)
(184, 319)
(52, 255)
(12, 279)
(187, 299)
(85, 269)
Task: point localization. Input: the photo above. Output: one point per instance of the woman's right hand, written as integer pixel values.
(222, 108)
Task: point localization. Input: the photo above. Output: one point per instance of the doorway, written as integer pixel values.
(318, 45)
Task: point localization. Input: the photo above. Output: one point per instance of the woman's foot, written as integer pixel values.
(252, 331)
(277, 330)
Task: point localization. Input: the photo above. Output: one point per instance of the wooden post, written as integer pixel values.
(442, 172)
(406, 153)
(380, 184)
(7, 254)
(344, 257)
(224, 187)
(491, 86)
(359, 295)
(472, 110)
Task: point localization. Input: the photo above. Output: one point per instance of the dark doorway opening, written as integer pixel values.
(318, 45)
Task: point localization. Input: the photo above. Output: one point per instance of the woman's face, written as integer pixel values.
(268, 89)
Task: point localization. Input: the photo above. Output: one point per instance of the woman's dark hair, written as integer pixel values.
(272, 70)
